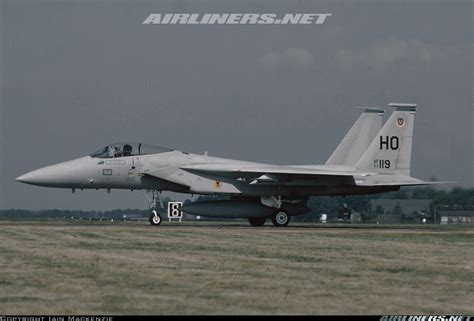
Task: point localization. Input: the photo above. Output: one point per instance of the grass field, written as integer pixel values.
(66, 267)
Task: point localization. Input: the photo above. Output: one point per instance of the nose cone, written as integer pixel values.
(65, 174)
(46, 176)
(28, 178)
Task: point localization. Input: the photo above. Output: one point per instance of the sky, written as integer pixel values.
(77, 75)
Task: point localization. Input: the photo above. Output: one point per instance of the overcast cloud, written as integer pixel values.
(76, 75)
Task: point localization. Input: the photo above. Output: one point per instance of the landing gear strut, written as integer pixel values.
(155, 218)
(257, 221)
(280, 218)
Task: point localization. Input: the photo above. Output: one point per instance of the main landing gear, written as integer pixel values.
(280, 218)
(257, 221)
(155, 217)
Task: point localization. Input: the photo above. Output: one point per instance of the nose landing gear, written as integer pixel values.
(155, 217)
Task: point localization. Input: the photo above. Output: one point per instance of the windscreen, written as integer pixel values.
(128, 149)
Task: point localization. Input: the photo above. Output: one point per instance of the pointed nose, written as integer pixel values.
(42, 177)
(28, 178)
(67, 174)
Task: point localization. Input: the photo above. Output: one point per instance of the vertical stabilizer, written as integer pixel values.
(390, 151)
(358, 138)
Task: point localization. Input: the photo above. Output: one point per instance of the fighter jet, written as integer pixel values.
(369, 160)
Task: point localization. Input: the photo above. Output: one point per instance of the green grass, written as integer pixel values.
(60, 267)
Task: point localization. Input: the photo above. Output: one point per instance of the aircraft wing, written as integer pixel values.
(273, 174)
(292, 175)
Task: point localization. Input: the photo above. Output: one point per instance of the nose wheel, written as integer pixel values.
(155, 218)
(280, 219)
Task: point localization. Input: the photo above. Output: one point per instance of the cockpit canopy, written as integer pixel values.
(128, 149)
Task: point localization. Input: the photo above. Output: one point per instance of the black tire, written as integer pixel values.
(280, 218)
(257, 221)
(155, 218)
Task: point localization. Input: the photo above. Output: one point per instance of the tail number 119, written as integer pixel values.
(381, 163)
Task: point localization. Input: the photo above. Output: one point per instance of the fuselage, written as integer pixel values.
(162, 171)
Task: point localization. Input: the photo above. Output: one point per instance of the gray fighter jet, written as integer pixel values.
(368, 160)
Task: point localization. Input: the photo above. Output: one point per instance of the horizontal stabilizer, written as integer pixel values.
(392, 180)
(429, 183)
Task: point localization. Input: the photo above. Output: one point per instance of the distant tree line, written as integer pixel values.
(56, 213)
(461, 197)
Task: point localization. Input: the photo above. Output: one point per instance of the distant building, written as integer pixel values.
(456, 216)
(396, 210)
(356, 217)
